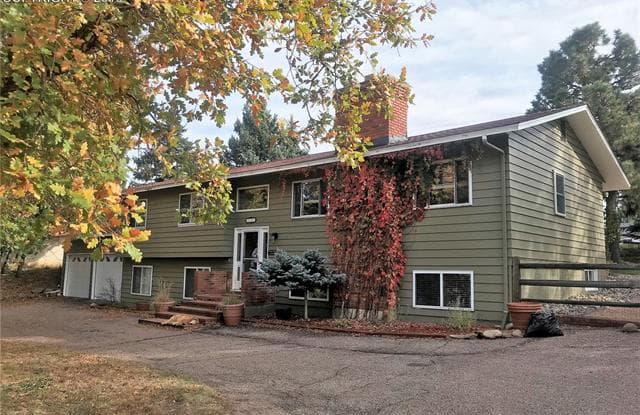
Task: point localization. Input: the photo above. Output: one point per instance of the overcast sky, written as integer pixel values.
(482, 63)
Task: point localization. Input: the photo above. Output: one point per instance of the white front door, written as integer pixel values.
(250, 247)
(107, 278)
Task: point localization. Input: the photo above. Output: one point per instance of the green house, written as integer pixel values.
(533, 190)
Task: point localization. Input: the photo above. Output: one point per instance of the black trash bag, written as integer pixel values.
(543, 324)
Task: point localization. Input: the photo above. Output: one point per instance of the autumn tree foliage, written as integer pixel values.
(79, 80)
(368, 210)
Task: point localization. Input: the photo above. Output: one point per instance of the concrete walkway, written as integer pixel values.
(588, 371)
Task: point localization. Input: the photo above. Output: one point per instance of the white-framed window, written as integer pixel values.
(591, 275)
(451, 184)
(189, 280)
(559, 194)
(143, 215)
(141, 280)
(252, 198)
(319, 294)
(306, 198)
(443, 289)
(188, 206)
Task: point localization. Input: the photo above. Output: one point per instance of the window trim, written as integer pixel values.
(293, 193)
(455, 190)
(324, 300)
(190, 208)
(442, 272)
(556, 173)
(184, 278)
(252, 187)
(133, 267)
(146, 210)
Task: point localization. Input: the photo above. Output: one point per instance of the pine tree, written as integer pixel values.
(260, 139)
(586, 70)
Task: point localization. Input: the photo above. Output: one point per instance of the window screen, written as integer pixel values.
(559, 187)
(427, 290)
(141, 280)
(443, 289)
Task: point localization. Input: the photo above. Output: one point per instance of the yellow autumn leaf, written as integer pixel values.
(84, 147)
(58, 189)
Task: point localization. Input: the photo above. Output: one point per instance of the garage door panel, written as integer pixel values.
(78, 276)
(108, 278)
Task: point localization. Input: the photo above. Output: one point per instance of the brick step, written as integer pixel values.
(201, 304)
(201, 319)
(198, 311)
(208, 297)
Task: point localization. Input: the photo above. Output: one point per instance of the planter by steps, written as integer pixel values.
(163, 306)
(232, 313)
(521, 313)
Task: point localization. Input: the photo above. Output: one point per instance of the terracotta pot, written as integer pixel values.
(163, 306)
(521, 313)
(232, 314)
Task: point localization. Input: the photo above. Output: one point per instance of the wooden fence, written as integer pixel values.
(518, 281)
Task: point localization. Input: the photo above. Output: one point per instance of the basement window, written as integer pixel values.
(307, 198)
(451, 184)
(559, 195)
(319, 294)
(443, 289)
(591, 275)
(141, 280)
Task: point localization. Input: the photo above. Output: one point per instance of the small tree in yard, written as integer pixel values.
(307, 272)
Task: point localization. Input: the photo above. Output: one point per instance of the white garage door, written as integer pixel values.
(107, 278)
(77, 277)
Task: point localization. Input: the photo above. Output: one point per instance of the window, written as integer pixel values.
(141, 278)
(189, 205)
(319, 294)
(443, 289)
(307, 198)
(252, 198)
(451, 184)
(188, 286)
(591, 275)
(559, 194)
(143, 215)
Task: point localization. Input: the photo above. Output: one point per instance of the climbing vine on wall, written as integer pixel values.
(367, 211)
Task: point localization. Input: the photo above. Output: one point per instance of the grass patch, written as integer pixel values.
(44, 379)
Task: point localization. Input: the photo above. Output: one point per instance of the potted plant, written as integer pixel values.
(521, 313)
(232, 307)
(162, 301)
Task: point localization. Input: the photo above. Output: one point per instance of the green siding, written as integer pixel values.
(170, 270)
(536, 233)
(466, 238)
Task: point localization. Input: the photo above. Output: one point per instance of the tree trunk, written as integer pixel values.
(612, 227)
(23, 257)
(306, 301)
(5, 261)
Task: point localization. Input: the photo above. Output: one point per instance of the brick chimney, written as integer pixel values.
(386, 128)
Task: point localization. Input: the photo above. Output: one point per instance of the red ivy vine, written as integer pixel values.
(367, 211)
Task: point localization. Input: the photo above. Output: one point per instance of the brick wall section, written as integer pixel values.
(255, 292)
(379, 126)
(210, 286)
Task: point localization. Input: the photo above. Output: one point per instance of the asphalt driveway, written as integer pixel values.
(260, 371)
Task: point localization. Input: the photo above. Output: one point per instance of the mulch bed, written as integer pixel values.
(391, 328)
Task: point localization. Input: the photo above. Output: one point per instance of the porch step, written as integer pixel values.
(201, 319)
(198, 311)
(202, 304)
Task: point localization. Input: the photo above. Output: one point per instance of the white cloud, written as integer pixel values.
(483, 61)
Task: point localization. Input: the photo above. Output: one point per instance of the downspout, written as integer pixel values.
(506, 286)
